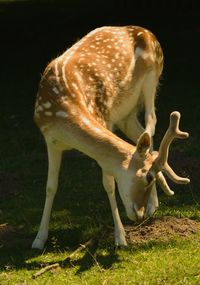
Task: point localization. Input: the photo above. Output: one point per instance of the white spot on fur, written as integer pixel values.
(74, 112)
(39, 108)
(90, 78)
(109, 103)
(61, 114)
(98, 130)
(47, 105)
(90, 108)
(47, 113)
(85, 120)
(55, 90)
(73, 95)
(75, 85)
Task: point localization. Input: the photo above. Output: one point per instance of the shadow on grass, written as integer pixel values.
(16, 253)
(94, 257)
(105, 261)
(101, 253)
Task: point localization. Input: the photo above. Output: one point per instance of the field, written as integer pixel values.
(164, 249)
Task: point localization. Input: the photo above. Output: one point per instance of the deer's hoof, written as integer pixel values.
(38, 244)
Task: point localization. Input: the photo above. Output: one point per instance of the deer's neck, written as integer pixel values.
(88, 136)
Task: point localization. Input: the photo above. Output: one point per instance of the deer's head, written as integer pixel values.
(138, 193)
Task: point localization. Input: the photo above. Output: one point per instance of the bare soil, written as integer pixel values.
(11, 237)
(6, 232)
(163, 229)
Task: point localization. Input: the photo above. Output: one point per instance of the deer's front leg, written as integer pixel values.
(54, 157)
(149, 92)
(109, 185)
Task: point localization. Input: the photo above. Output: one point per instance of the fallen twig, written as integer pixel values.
(88, 243)
(142, 223)
(94, 258)
(45, 269)
(85, 246)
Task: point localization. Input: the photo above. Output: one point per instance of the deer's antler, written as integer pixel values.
(160, 163)
(163, 184)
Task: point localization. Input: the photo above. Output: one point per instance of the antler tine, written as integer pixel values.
(173, 176)
(163, 184)
(172, 132)
(161, 161)
(174, 126)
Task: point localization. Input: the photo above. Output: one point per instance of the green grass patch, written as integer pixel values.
(176, 262)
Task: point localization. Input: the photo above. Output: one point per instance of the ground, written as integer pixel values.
(162, 229)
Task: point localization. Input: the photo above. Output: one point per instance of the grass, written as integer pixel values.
(81, 208)
(136, 265)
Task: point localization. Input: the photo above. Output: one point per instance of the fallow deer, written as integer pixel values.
(97, 84)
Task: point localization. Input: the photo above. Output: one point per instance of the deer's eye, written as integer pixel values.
(149, 178)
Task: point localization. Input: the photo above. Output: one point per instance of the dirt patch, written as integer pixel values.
(6, 232)
(9, 184)
(163, 229)
(11, 237)
(8, 235)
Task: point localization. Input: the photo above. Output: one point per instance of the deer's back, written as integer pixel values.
(101, 75)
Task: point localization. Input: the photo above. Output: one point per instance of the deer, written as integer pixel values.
(100, 83)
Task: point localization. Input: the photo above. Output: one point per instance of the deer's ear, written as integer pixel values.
(143, 144)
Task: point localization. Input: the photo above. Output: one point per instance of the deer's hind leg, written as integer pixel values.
(54, 158)
(131, 126)
(149, 88)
